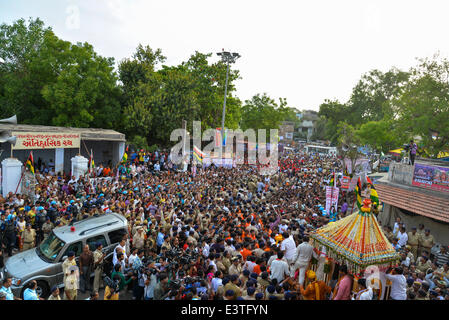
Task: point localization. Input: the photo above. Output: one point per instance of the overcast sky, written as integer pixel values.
(305, 51)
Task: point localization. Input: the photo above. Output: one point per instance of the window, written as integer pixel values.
(51, 247)
(117, 235)
(92, 242)
(76, 247)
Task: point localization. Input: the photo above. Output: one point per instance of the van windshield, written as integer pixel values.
(51, 247)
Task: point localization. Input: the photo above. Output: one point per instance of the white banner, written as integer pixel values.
(331, 198)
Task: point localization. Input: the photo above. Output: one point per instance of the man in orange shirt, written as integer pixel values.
(246, 251)
(316, 290)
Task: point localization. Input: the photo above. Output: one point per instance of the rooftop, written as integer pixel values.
(95, 225)
(397, 191)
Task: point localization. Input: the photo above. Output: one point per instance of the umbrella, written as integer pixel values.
(396, 151)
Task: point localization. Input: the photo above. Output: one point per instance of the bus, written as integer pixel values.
(320, 150)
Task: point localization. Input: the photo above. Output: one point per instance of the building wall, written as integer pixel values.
(400, 173)
(438, 229)
(104, 152)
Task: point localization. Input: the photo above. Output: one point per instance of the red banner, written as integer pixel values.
(345, 181)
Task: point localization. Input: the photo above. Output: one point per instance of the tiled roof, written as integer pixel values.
(415, 201)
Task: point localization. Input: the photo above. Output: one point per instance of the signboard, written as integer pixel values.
(331, 198)
(431, 177)
(345, 181)
(219, 162)
(46, 140)
(361, 166)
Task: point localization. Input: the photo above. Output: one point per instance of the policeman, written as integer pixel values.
(53, 211)
(413, 242)
(98, 265)
(47, 227)
(70, 261)
(71, 283)
(41, 216)
(10, 233)
(28, 237)
(427, 242)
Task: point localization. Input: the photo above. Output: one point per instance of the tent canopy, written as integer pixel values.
(397, 151)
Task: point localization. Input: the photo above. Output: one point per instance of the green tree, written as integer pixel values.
(262, 112)
(371, 97)
(158, 97)
(423, 108)
(348, 141)
(46, 80)
(380, 135)
(319, 132)
(334, 112)
(23, 72)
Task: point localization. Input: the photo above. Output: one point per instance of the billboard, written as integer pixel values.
(431, 177)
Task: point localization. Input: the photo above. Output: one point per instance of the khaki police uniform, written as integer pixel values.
(66, 265)
(29, 238)
(426, 243)
(46, 228)
(98, 255)
(71, 287)
(413, 242)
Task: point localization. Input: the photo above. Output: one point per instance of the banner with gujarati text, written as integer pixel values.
(46, 140)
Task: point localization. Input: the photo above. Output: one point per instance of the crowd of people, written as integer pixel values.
(209, 234)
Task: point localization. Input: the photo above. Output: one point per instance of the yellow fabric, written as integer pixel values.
(107, 291)
(317, 291)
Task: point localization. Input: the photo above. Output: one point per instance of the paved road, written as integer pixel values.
(124, 294)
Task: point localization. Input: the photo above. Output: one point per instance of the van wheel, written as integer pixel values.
(42, 289)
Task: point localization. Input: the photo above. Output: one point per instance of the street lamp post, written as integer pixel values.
(228, 58)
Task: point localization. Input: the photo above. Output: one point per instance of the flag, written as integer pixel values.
(198, 154)
(219, 137)
(125, 155)
(30, 163)
(373, 193)
(91, 164)
(358, 193)
(225, 136)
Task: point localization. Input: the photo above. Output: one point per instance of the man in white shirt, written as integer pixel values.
(302, 258)
(288, 246)
(283, 226)
(279, 268)
(396, 225)
(205, 250)
(399, 284)
(217, 281)
(402, 237)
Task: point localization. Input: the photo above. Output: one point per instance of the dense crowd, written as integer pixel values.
(212, 234)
